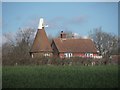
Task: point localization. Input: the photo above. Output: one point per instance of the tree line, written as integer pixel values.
(15, 51)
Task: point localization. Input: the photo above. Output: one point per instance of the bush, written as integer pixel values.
(12, 59)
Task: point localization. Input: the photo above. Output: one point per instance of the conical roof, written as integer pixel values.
(41, 43)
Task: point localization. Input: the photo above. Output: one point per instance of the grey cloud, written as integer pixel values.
(62, 22)
(76, 20)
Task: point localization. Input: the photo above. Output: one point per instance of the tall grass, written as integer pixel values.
(60, 76)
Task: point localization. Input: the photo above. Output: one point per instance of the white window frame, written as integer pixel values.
(47, 54)
(89, 54)
(32, 55)
(68, 55)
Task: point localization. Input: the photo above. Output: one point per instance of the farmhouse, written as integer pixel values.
(62, 46)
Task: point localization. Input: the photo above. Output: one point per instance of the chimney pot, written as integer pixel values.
(62, 35)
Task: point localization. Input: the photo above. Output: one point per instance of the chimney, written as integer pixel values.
(73, 36)
(62, 35)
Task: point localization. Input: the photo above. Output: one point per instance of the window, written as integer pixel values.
(68, 55)
(32, 55)
(65, 54)
(46, 54)
(89, 54)
(86, 54)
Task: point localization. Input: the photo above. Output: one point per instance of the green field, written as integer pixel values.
(60, 76)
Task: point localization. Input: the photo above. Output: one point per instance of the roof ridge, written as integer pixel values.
(73, 38)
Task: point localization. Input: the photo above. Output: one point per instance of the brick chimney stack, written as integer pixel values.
(62, 35)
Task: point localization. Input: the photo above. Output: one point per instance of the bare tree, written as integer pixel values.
(16, 50)
(106, 43)
(118, 45)
(25, 35)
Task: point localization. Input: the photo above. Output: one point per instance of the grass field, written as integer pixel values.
(60, 76)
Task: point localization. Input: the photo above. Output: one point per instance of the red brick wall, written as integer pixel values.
(61, 55)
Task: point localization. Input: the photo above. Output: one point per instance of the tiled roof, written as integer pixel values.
(41, 43)
(74, 45)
